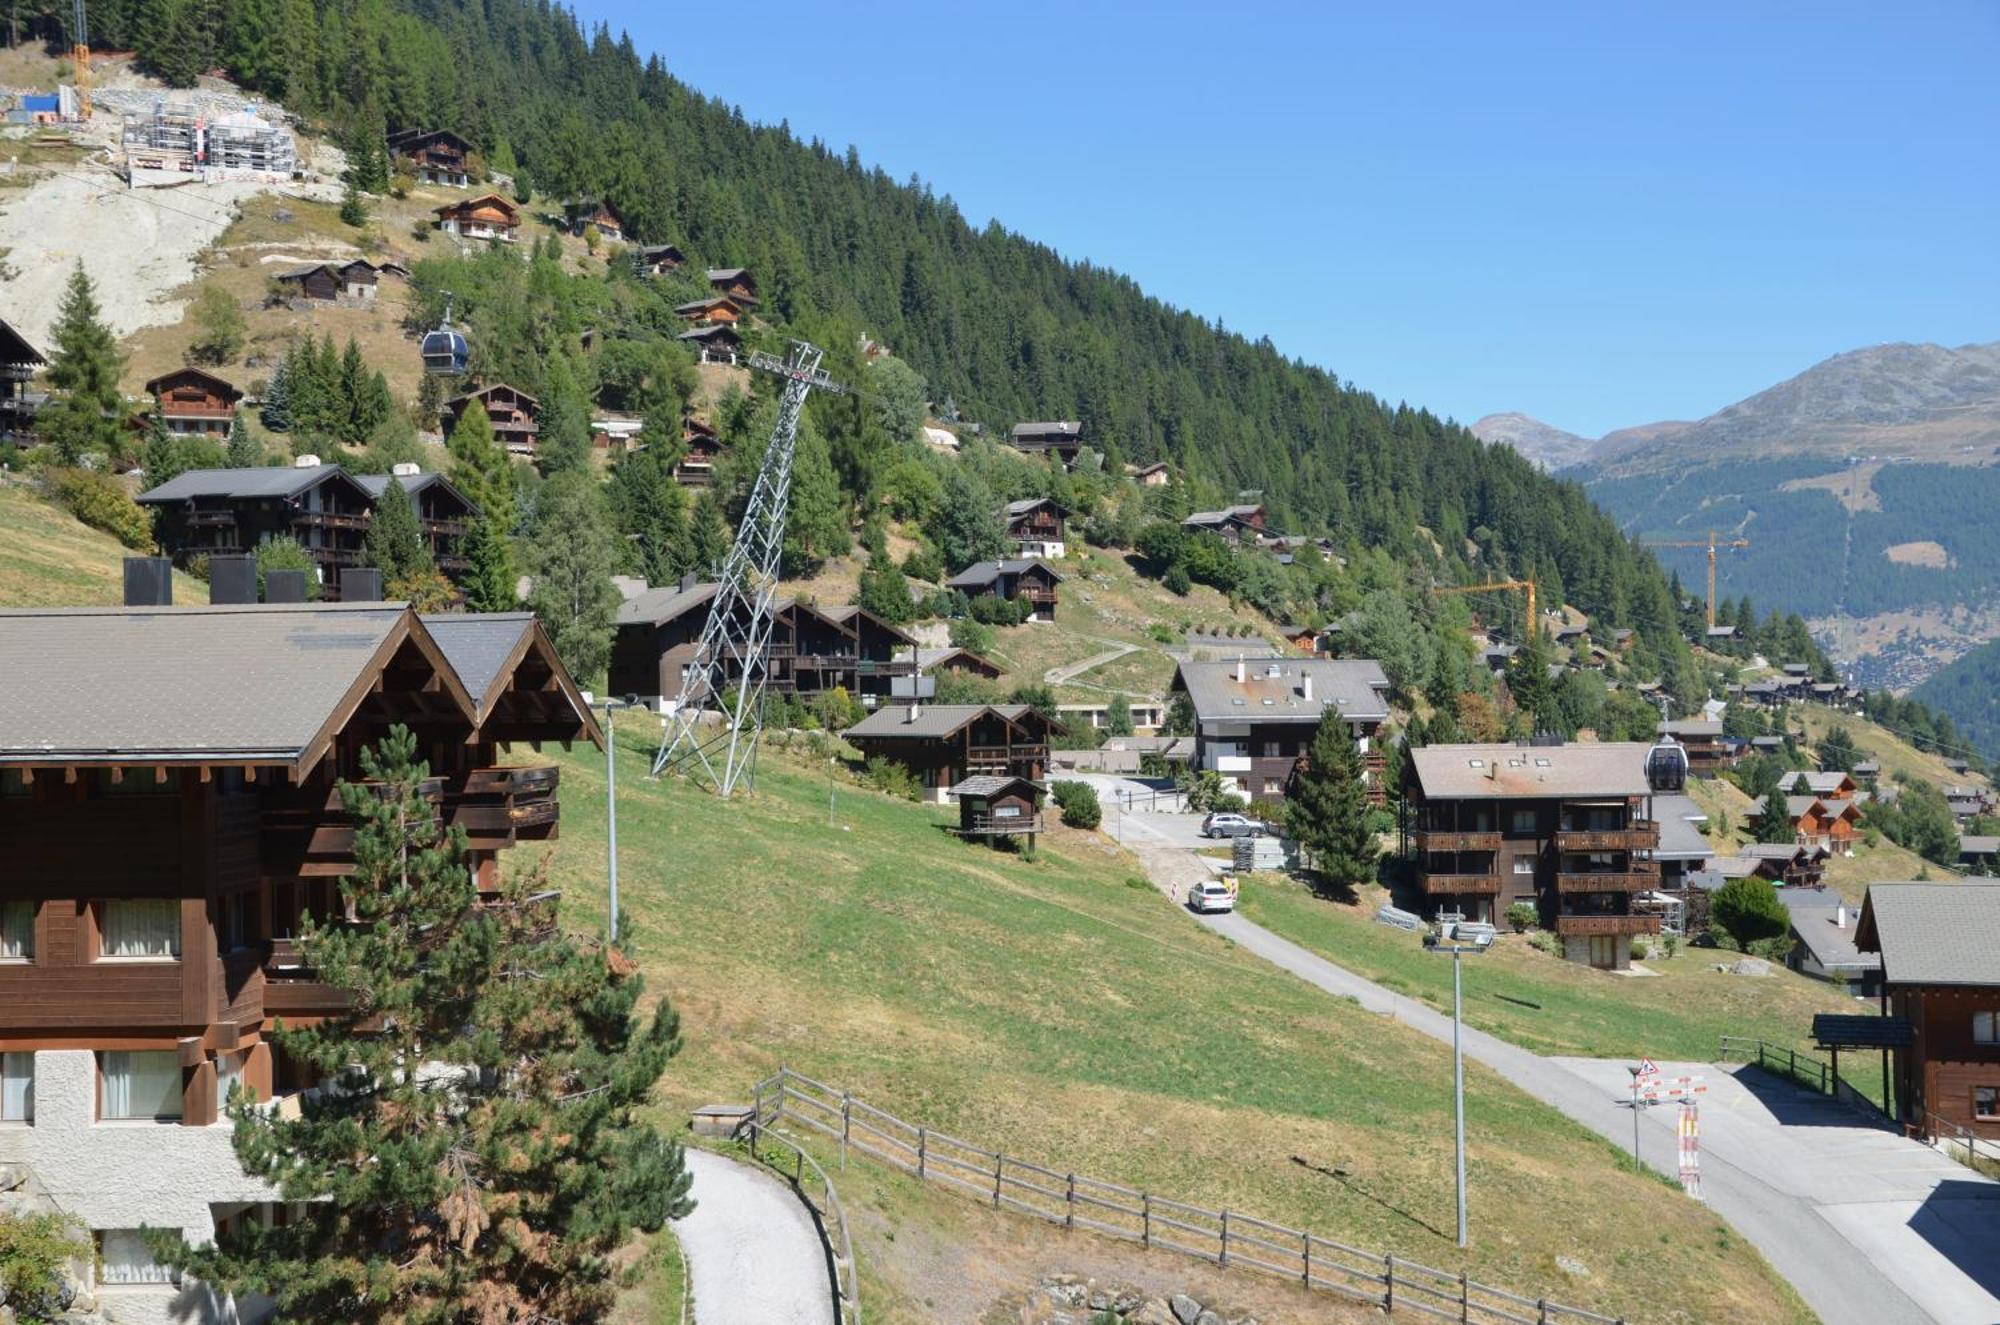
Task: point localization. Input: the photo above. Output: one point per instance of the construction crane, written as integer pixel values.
(732, 663)
(1712, 542)
(81, 54)
(1528, 585)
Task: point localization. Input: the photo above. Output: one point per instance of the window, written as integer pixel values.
(1273, 787)
(238, 921)
(122, 1258)
(1524, 864)
(1523, 821)
(141, 927)
(139, 1085)
(228, 1076)
(1986, 1102)
(17, 931)
(17, 1087)
(1986, 1028)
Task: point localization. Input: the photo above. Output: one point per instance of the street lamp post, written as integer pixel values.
(1475, 940)
(611, 706)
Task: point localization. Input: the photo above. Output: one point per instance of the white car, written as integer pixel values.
(1211, 895)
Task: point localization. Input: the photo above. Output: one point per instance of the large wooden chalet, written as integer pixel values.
(444, 513)
(194, 403)
(1036, 524)
(943, 744)
(714, 342)
(1565, 828)
(511, 410)
(489, 216)
(658, 259)
(718, 309)
(701, 448)
(1233, 523)
(435, 156)
(1033, 582)
(1702, 739)
(19, 362)
(169, 801)
(734, 282)
(1255, 717)
(1060, 438)
(594, 214)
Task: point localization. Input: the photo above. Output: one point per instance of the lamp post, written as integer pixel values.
(611, 706)
(1465, 938)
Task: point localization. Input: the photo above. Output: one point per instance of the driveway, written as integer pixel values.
(753, 1252)
(1871, 1228)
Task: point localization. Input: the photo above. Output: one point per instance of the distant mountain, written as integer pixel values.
(1968, 692)
(1546, 445)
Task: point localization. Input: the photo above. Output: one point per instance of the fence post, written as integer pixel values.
(1306, 1239)
(1224, 1262)
(922, 1146)
(998, 1161)
(846, 1124)
(1145, 1219)
(1388, 1285)
(1541, 1311)
(1069, 1204)
(1464, 1298)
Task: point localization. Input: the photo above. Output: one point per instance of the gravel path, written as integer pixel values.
(1056, 676)
(753, 1252)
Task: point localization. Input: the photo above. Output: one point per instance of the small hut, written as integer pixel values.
(994, 806)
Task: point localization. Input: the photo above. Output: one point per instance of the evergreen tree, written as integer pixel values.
(1529, 683)
(353, 210)
(1747, 911)
(490, 579)
(651, 509)
(563, 424)
(816, 525)
(87, 415)
(572, 559)
(1327, 809)
(1837, 750)
(276, 411)
(244, 452)
(899, 393)
(1758, 776)
(968, 527)
(501, 1178)
(480, 467)
(885, 591)
(708, 535)
(1118, 716)
(395, 543)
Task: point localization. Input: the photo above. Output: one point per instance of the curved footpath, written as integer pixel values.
(1869, 1227)
(753, 1252)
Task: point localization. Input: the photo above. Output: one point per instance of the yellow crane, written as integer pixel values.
(1529, 585)
(81, 55)
(1712, 542)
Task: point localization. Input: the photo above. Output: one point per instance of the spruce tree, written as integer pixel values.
(708, 535)
(571, 557)
(489, 579)
(1327, 809)
(816, 526)
(87, 415)
(488, 1071)
(276, 409)
(885, 591)
(244, 453)
(480, 467)
(395, 543)
(651, 509)
(562, 427)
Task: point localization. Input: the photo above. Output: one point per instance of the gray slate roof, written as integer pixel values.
(1065, 428)
(990, 784)
(1816, 914)
(653, 607)
(1679, 838)
(930, 721)
(1608, 769)
(1934, 933)
(1977, 844)
(477, 645)
(982, 573)
(1690, 727)
(188, 684)
(262, 481)
(1272, 689)
(377, 484)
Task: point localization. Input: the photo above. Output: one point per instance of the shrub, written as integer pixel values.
(1230, 802)
(1746, 912)
(1552, 944)
(1152, 764)
(892, 777)
(1078, 801)
(101, 502)
(836, 709)
(34, 1251)
(1522, 916)
(1640, 949)
(997, 611)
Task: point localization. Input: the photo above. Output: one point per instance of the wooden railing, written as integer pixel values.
(1227, 1238)
(1452, 884)
(1611, 924)
(1776, 1059)
(1642, 835)
(831, 1218)
(1453, 839)
(1641, 876)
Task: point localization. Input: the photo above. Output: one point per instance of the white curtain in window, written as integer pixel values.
(17, 929)
(126, 1260)
(17, 1087)
(142, 1084)
(147, 927)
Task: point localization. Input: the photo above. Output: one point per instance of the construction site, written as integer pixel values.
(179, 142)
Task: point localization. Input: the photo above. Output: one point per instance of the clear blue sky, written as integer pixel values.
(1599, 214)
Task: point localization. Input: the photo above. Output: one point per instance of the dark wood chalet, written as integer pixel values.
(169, 799)
(19, 362)
(445, 513)
(435, 156)
(998, 806)
(735, 282)
(658, 260)
(1566, 828)
(1034, 582)
(702, 448)
(1036, 524)
(1702, 739)
(511, 410)
(943, 744)
(1941, 991)
(714, 343)
(712, 311)
(328, 281)
(1255, 717)
(594, 214)
(1063, 439)
(1234, 523)
(489, 216)
(195, 403)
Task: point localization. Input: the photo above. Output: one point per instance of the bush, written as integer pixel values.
(34, 1252)
(836, 709)
(1640, 948)
(101, 502)
(1152, 764)
(1746, 912)
(894, 778)
(997, 611)
(1079, 804)
(1550, 943)
(1523, 916)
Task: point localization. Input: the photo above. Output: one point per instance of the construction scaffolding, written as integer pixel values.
(172, 142)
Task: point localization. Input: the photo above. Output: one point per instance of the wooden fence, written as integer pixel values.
(1227, 1238)
(1778, 1060)
(815, 1188)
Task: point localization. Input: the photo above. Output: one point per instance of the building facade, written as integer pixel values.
(1036, 527)
(1255, 717)
(1032, 582)
(489, 217)
(193, 403)
(944, 744)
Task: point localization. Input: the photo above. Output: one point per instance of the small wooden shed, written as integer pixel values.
(994, 806)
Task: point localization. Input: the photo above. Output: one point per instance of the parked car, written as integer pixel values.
(1230, 825)
(1211, 895)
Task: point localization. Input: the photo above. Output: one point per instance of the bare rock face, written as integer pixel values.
(1548, 446)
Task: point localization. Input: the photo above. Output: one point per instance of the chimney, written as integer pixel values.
(911, 714)
(360, 584)
(284, 586)
(1240, 677)
(406, 469)
(232, 580)
(149, 582)
(1840, 916)
(689, 580)
(1306, 685)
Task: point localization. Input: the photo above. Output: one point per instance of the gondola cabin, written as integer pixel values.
(445, 352)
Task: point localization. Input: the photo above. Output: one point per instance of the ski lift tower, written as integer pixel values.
(714, 728)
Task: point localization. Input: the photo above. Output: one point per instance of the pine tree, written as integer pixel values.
(816, 526)
(480, 467)
(708, 535)
(562, 427)
(885, 591)
(651, 509)
(1118, 716)
(353, 211)
(1327, 810)
(244, 453)
(276, 410)
(572, 559)
(502, 1197)
(489, 580)
(395, 542)
(88, 413)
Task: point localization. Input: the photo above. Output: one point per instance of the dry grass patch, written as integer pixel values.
(48, 559)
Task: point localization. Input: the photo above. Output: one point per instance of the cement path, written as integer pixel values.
(753, 1252)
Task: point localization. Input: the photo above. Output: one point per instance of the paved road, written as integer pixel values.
(753, 1252)
(1872, 1229)
(1056, 676)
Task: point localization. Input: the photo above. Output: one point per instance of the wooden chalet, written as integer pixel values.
(719, 309)
(435, 156)
(701, 448)
(1302, 637)
(444, 513)
(19, 362)
(489, 216)
(593, 214)
(716, 342)
(1061, 438)
(658, 260)
(735, 282)
(997, 807)
(195, 403)
(943, 744)
(1036, 527)
(1940, 1005)
(1255, 717)
(169, 799)
(1702, 740)
(1785, 864)
(1155, 475)
(1032, 581)
(1234, 523)
(953, 661)
(511, 410)
(1564, 827)
(328, 281)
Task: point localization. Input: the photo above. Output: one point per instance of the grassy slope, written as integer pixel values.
(1052, 1009)
(48, 559)
(1895, 754)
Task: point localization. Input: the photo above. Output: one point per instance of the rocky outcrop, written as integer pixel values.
(1069, 1299)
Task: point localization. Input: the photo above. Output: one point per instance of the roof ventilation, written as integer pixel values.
(232, 580)
(1306, 686)
(306, 462)
(1272, 671)
(406, 469)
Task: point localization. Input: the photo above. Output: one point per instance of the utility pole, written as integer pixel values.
(1474, 939)
(611, 706)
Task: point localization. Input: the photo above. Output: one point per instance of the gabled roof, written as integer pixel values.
(929, 660)
(656, 607)
(1614, 770)
(719, 331)
(1787, 852)
(1227, 515)
(486, 392)
(1816, 919)
(1062, 428)
(986, 786)
(727, 273)
(408, 138)
(1978, 844)
(1933, 933)
(225, 389)
(1680, 839)
(931, 722)
(251, 684)
(1030, 504)
(697, 305)
(474, 204)
(1819, 784)
(488, 649)
(14, 347)
(1273, 689)
(1690, 727)
(261, 482)
(655, 251)
(982, 573)
(377, 484)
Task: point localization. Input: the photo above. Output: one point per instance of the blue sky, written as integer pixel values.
(1599, 214)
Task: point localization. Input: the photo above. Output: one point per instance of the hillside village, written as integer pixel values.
(1080, 914)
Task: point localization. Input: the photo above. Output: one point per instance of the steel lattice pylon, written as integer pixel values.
(719, 717)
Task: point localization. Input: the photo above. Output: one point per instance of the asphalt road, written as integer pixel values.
(753, 1253)
(1871, 1228)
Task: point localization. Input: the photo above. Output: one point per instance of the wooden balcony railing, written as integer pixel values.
(311, 836)
(500, 806)
(1484, 885)
(330, 520)
(1638, 878)
(983, 824)
(1641, 835)
(1601, 925)
(1452, 839)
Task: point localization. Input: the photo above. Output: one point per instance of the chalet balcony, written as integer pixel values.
(312, 836)
(1641, 835)
(1635, 877)
(1598, 926)
(1455, 885)
(17, 372)
(211, 519)
(329, 520)
(292, 989)
(998, 758)
(1452, 839)
(447, 528)
(982, 825)
(501, 806)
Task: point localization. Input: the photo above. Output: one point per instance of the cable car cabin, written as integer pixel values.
(1667, 766)
(445, 353)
